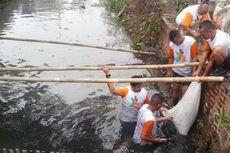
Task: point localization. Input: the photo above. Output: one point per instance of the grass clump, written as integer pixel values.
(142, 29)
(117, 5)
(222, 119)
(141, 20)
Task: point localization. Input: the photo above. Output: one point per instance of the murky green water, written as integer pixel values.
(60, 116)
(63, 20)
(55, 116)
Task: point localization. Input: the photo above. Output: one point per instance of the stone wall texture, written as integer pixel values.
(216, 96)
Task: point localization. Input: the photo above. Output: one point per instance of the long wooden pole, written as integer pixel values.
(73, 68)
(89, 80)
(78, 44)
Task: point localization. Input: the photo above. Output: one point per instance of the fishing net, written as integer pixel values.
(185, 112)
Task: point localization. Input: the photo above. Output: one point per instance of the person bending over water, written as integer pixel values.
(146, 129)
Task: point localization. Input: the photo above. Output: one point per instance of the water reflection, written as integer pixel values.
(46, 121)
(91, 124)
(73, 117)
(65, 21)
(27, 9)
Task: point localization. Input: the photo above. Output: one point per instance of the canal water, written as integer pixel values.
(63, 116)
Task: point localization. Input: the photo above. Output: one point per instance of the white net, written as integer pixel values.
(185, 112)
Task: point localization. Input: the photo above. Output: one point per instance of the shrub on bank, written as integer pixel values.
(140, 18)
(117, 5)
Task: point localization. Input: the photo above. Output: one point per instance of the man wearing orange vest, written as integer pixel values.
(146, 129)
(182, 50)
(217, 44)
(133, 97)
(187, 18)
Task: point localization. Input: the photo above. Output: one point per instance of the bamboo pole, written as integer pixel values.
(129, 80)
(73, 68)
(78, 44)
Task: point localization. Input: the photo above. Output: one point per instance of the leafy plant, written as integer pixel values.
(200, 124)
(117, 5)
(141, 26)
(223, 121)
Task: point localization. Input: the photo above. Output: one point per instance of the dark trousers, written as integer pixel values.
(127, 129)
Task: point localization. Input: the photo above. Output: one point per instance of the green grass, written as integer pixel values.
(199, 124)
(143, 29)
(140, 26)
(223, 121)
(117, 5)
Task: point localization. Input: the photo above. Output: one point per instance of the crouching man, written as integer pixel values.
(146, 128)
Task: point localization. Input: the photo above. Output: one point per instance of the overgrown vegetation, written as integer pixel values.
(140, 20)
(199, 124)
(223, 121)
(117, 5)
(201, 138)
